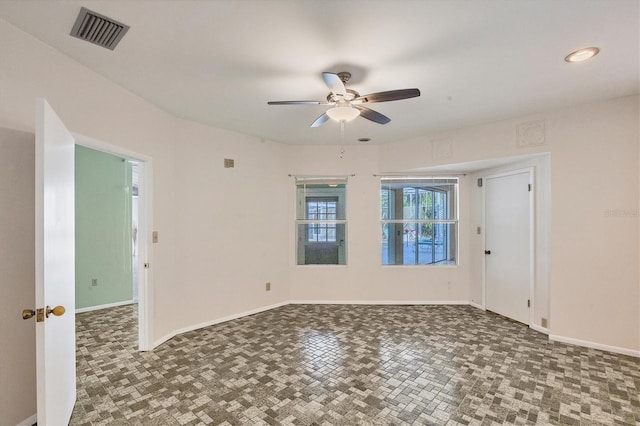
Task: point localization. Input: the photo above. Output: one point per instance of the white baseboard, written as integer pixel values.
(28, 422)
(217, 321)
(108, 305)
(593, 345)
(539, 329)
(476, 305)
(378, 302)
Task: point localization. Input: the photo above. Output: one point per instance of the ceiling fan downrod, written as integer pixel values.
(344, 76)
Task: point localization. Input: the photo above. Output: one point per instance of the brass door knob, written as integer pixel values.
(57, 311)
(28, 313)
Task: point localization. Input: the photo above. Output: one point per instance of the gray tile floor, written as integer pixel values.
(344, 365)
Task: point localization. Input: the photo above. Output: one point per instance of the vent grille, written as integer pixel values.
(98, 29)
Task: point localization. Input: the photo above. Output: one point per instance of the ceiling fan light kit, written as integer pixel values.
(346, 104)
(343, 113)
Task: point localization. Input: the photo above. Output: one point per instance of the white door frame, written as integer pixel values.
(532, 233)
(145, 225)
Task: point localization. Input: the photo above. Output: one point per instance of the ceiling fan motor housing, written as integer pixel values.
(349, 96)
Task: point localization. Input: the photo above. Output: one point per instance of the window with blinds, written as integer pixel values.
(419, 220)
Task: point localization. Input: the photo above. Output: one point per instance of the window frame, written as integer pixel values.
(451, 253)
(331, 190)
(315, 227)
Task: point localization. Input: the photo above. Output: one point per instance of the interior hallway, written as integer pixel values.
(346, 364)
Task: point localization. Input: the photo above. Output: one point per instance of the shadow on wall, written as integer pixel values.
(17, 259)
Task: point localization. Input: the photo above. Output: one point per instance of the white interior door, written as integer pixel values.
(55, 268)
(507, 245)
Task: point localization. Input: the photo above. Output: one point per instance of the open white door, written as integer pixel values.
(55, 268)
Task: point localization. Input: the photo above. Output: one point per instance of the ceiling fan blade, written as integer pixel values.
(372, 115)
(334, 83)
(295, 103)
(320, 120)
(391, 95)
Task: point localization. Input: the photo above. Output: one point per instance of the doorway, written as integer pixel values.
(137, 184)
(508, 244)
(135, 224)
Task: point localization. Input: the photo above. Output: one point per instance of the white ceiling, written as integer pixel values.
(219, 62)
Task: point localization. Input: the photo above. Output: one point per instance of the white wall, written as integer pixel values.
(229, 224)
(17, 279)
(364, 279)
(209, 261)
(595, 294)
(594, 282)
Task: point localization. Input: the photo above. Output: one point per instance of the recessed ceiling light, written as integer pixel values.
(582, 54)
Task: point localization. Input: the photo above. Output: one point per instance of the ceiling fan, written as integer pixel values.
(347, 103)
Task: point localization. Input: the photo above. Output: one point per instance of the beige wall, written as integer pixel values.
(17, 276)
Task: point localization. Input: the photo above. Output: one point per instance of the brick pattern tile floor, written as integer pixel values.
(349, 365)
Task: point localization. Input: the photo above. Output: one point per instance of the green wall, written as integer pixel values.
(103, 228)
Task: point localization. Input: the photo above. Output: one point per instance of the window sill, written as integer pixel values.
(320, 265)
(444, 265)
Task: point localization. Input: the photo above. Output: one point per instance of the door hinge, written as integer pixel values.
(528, 303)
(529, 186)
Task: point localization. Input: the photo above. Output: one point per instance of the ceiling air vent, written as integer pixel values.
(98, 29)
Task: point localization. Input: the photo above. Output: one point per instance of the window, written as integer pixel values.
(419, 221)
(321, 221)
(324, 209)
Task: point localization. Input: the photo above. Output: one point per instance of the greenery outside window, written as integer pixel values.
(320, 221)
(419, 220)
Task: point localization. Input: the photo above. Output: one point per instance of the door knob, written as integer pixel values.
(487, 252)
(41, 313)
(57, 311)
